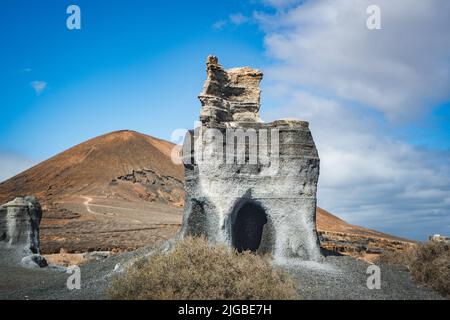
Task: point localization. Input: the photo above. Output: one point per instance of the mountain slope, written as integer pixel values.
(330, 223)
(103, 166)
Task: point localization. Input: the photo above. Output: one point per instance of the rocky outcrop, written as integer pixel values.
(250, 185)
(19, 224)
(19, 230)
(230, 95)
(158, 187)
(359, 245)
(34, 261)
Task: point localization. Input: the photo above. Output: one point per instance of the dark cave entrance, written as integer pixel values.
(248, 227)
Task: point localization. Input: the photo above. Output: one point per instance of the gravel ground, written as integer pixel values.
(345, 278)
(18, 283)
(338, 277)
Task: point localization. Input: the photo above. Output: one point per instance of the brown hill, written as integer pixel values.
(121, 190)
(330, 223)
(107, 166)
(339, 236)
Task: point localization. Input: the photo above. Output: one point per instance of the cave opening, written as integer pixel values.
(248, 227)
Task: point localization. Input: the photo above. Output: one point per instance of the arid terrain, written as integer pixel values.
(120, 191)
(115, 192)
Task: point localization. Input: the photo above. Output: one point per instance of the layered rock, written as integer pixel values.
(231, 95)
(250, 185)
(19, 230)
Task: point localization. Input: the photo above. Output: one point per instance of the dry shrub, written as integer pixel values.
(397, 257)
(429, 264)
(196, 270)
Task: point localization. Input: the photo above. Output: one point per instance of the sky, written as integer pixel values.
(377, 100)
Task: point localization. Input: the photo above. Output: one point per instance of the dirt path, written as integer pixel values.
(87, 204)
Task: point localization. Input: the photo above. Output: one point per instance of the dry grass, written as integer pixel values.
(396, 258)
(65, 259)
(196, 270)
(428, 263)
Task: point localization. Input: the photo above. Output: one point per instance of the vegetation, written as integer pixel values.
(429, 264)
(196, 270)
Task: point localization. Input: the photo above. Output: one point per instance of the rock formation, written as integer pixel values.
(249, 184)
(19, 230)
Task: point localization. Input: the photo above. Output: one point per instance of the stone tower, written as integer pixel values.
(19, 225)
(249, 184)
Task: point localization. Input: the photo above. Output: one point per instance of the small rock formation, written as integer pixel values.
(158, 187)
(250, 185)
(34, 261)
(19, 230)
(96, 255)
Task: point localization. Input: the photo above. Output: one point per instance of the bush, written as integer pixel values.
(428, 263)
(196, 270)
(397, 257)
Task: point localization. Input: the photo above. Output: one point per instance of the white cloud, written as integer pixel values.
(399, 70)
(368, 177)
(220, 24)
(235, 19)
(12, 164)
(39, 86)
(346, 80)
(238, 19)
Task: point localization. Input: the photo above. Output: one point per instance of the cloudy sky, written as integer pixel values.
(377, 100)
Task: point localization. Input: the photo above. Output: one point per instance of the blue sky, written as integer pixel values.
(136, 66)
(378, 103)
